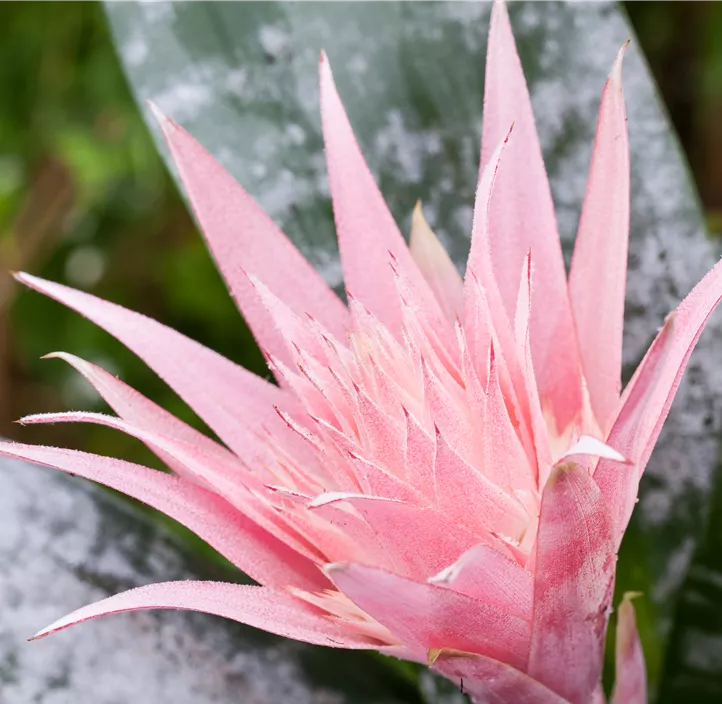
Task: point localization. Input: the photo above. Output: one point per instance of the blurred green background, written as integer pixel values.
(85, 199)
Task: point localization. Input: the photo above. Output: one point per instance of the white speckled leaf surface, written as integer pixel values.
(66, 543)
(242, 78)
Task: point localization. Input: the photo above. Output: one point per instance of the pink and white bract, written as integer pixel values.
(446, 467)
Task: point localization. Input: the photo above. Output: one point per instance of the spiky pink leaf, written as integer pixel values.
(630, 684)
(521, 218)
(599, 266)
(227, 397)
(136, 409)
(209, 516)
(243, 239)
(649, 395)
(260, 607)
(368, 236)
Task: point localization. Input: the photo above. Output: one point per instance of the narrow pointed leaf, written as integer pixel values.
(171, 355)
(239, 539)
(521, 218)
(435, 264)
(244, 240)
(255, 606)
(649, 395)
(630, 684)
(368, 236)
(597, 279)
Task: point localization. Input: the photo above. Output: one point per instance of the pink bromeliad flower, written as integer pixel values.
(447, 466)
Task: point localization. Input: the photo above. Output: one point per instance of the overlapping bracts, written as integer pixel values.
(447, 466)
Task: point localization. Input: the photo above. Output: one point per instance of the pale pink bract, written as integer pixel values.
(447, 466)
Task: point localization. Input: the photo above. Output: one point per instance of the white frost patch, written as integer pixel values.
(318, 165)
(530, 19)
(195, 90)
(358, 65)
(470, 16)
(156, 12)
(407, 149)
(273, 39)
(226, 156)
(328, 265)
(535, 15)
(281, 194)
(468, 13)
(236, 80)
(258, 170)
(464, 216)
(136, 50)
(553, 101)
(185, 101)
(296, 134)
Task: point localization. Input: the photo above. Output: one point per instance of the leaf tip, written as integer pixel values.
(432, 655)
(561, 471)
(628, 597)
(40, 634)
(615, 76)
(162, 119)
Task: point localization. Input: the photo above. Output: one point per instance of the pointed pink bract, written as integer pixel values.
(368, 237)
(521, 218)
(171, 355)
(138, 410)
(237, 538)
(255, 606)
(243, 239)
(630, 684)
(598, 273)
(647, 399)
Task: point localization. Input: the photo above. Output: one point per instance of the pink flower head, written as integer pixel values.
(447, 466)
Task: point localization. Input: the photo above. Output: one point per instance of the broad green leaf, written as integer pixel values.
(242, 78)
(694, 662)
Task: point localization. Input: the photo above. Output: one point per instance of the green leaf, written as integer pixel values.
(243, 79)
(695, 650)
